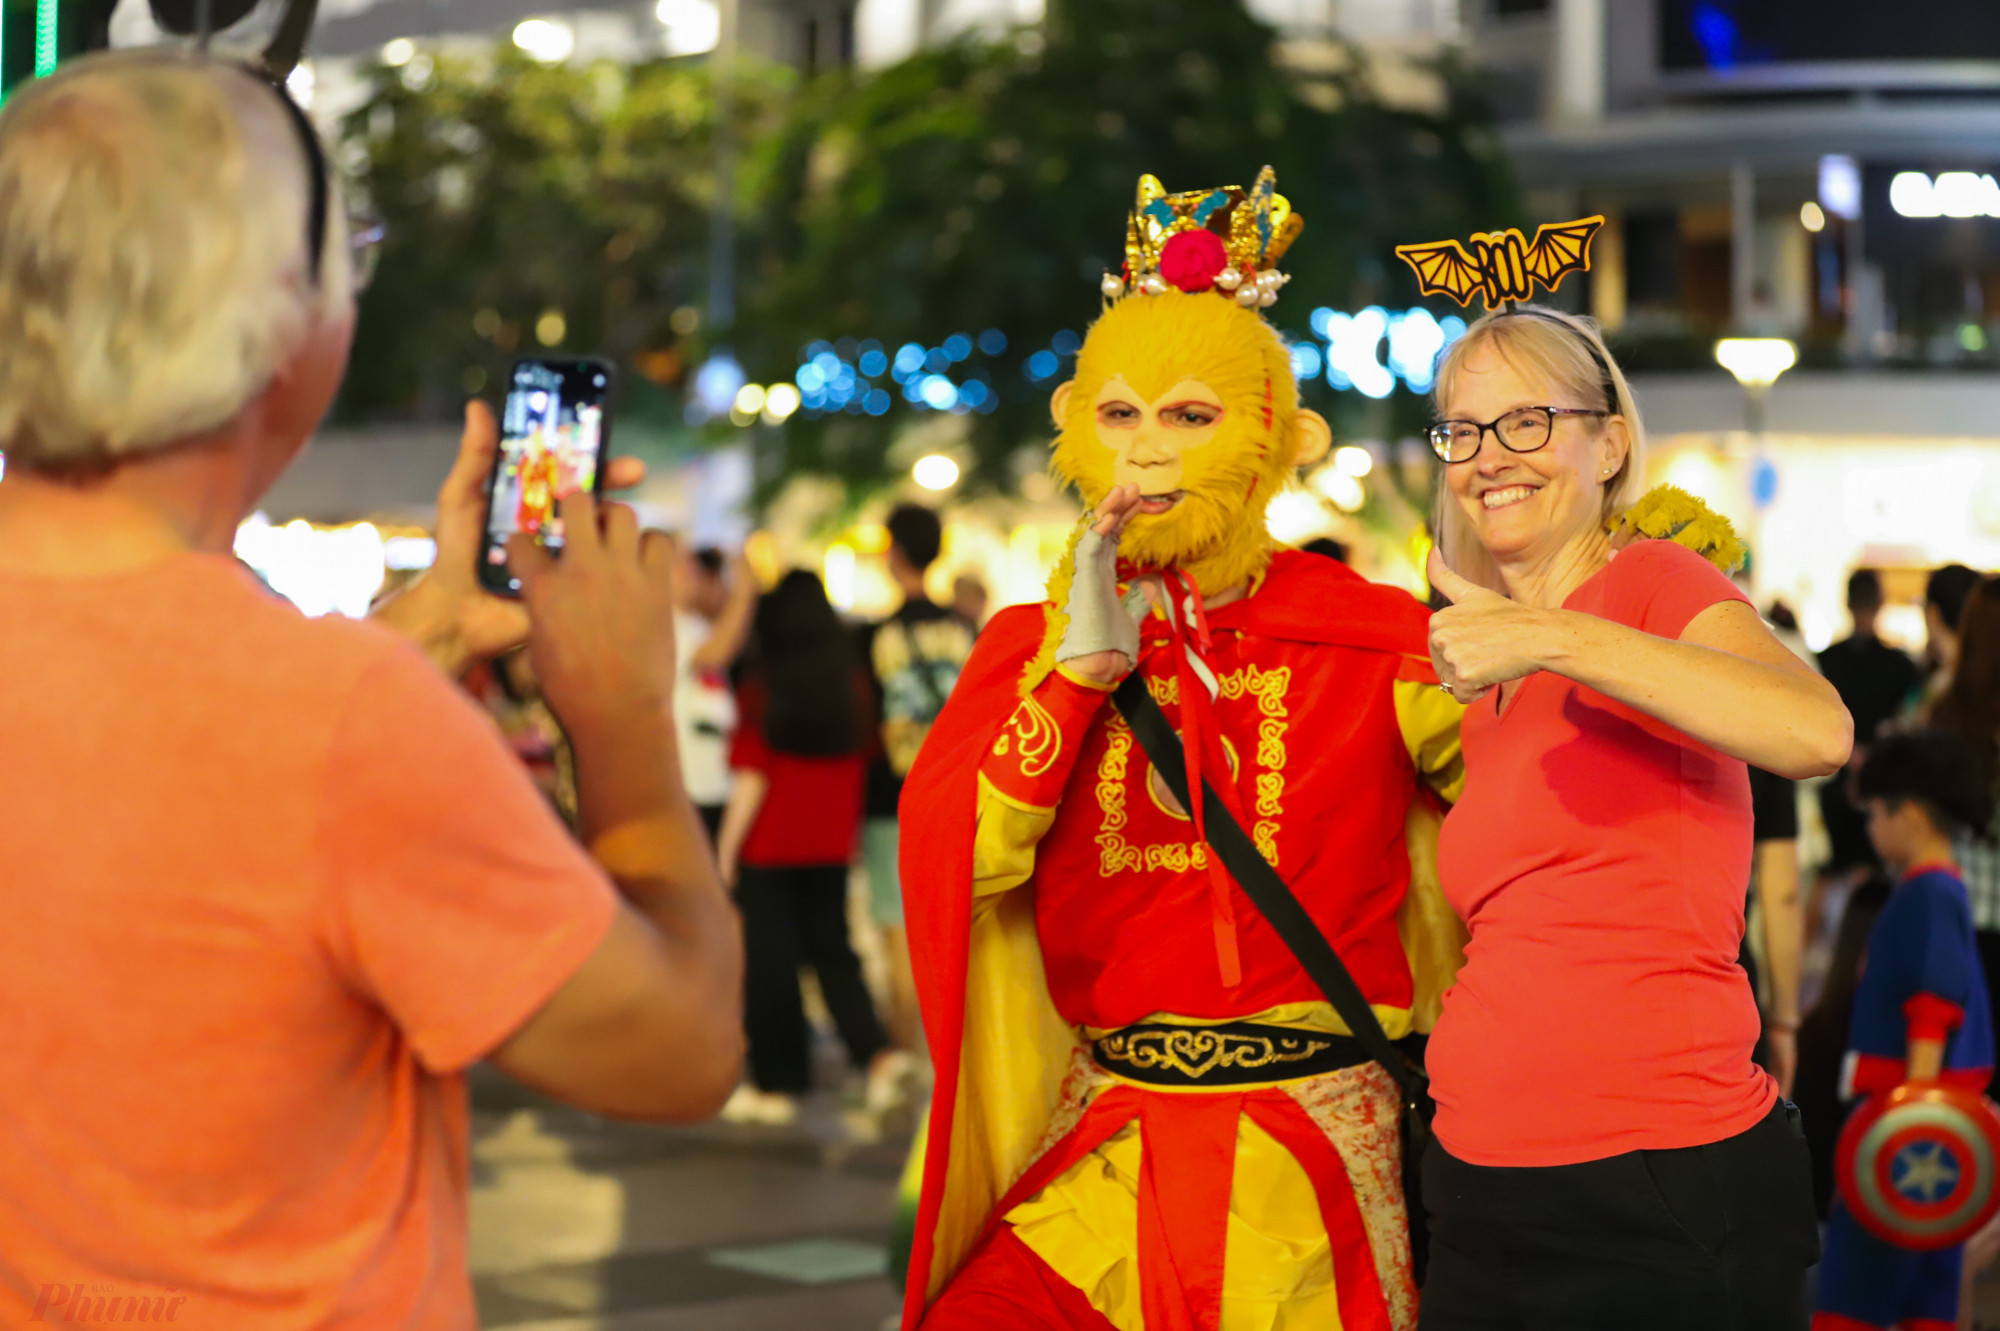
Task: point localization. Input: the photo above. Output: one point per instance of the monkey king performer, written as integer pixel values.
(1147, 1115)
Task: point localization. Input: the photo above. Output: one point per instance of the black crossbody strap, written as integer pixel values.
(1265, 888)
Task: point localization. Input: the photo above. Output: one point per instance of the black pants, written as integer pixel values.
(1705, 1238)
(794, 917)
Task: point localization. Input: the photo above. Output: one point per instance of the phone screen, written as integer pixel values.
(553, 432)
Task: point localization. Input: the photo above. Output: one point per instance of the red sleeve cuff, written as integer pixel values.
(1415, 670)
(1931, 1017)
(1031, 757)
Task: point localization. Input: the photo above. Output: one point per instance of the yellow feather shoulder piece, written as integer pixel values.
(1043, 663)
(1667, 512)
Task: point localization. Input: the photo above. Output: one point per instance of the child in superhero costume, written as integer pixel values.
(1147, 1116)
(1920, 1015)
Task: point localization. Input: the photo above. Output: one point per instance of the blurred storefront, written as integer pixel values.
(1894, 471)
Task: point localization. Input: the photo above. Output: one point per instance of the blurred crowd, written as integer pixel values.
(1814, 843)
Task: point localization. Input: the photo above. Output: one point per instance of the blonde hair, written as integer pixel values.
(152, 254)
(1557, 349)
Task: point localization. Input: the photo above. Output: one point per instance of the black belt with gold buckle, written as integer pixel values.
(1235, 1054)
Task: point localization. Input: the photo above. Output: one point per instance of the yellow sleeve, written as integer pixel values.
(1428, 718)
(1433, 936)
(1003, 847)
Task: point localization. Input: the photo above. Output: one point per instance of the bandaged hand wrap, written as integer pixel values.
(1098, 620)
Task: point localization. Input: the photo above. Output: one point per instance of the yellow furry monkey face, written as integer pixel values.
(1191, 398)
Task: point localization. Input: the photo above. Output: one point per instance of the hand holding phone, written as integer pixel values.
(555, 428)
(601, 633)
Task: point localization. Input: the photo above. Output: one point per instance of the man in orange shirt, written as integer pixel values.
(271, 883)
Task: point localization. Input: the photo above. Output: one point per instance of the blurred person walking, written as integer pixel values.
(1969, 707)
(274, 883)
(1775, 966)
(1606, 1153)
(799, 763)
(1945, 593)
(1823, 1034)
(1777, 906)
(1875, 682)
(914, 658)
(717, 597)
(970, 600)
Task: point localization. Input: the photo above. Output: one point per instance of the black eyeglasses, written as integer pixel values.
(364, 234)
(1522, 430)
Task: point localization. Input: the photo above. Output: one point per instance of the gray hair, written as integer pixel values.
(152, 254)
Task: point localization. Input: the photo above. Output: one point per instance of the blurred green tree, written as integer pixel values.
(530, 206)
(985, 185)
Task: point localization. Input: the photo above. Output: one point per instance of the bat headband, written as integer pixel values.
(1504, 268)
(1227, 240)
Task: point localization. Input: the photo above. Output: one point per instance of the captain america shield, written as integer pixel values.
(1917, 1166)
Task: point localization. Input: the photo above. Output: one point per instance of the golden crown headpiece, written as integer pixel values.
(1227, 240)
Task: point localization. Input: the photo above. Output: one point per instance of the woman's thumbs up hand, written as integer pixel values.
(1481, 639)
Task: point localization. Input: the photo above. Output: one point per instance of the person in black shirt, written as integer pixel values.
(914, 657)
(1874, 680)
(1774, 835)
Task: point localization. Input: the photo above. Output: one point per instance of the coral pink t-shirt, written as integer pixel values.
(269, 885)
(1600, 859)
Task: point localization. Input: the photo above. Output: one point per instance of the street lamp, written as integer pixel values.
(1756, 362)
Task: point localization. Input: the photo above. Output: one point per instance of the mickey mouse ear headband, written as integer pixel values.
(1226, 240)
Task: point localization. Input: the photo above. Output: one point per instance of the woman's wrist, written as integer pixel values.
(1561, 638)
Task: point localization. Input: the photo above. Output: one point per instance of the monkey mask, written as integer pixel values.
(1183, 388)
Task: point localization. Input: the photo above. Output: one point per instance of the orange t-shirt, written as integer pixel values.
(270, 884)
(1600, 859)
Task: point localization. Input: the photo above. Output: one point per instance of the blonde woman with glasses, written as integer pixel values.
(1607, 1154)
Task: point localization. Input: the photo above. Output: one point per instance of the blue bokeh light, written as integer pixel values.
(993, 342)
(1042, 365)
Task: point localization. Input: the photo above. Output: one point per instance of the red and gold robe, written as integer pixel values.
(1056, 894)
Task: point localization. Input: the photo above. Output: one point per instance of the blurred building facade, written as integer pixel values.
(1817, 168)
(1821, 170)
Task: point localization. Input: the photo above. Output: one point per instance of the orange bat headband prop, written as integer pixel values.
(1503, 267)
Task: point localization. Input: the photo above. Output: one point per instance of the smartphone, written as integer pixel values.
(554, 430)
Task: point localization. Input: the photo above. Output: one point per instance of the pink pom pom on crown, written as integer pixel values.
(1191, 259)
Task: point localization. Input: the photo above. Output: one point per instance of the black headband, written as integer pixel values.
(1603, 366)
(315, 168)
